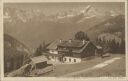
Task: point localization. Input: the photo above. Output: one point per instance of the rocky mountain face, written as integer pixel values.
(13, 48)
(34, 25)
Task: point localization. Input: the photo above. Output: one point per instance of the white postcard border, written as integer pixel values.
(65, 79)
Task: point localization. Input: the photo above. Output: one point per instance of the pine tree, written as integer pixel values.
(44, 49)
(81, 36)
(38, 51)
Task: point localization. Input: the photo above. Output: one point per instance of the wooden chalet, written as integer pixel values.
(71, 51)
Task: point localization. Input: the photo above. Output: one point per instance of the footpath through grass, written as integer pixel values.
(115, 69)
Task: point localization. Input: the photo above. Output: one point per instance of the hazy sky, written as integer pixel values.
(62, 0)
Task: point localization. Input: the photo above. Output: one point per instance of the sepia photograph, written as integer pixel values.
(64, 39)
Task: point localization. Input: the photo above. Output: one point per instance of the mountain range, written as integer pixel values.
(32, 26)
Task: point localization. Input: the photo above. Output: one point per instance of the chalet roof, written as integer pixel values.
(53, 45)
(73, 43)
(80, 50)
(39, 59)
(49, 54)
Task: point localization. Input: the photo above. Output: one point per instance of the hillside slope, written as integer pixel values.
(13, 48)
(115, 26)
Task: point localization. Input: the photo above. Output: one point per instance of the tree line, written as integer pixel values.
(111, 44)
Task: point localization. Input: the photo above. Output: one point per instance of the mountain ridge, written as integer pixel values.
(33, 26)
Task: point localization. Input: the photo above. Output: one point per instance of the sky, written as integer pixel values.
(63, 0)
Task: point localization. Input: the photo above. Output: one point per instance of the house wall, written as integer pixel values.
(89, 51)
(75, 57)
(53, 51)
(54, 58)
(71, 60)
(98, 52)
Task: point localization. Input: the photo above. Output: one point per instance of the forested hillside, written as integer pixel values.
(110, 34)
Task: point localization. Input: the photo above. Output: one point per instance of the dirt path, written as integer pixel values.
(98, 66)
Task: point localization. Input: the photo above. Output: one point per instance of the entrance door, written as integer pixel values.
(60, 59)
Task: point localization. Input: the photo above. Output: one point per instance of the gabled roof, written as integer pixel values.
(80, 50)
(49, 54)
(73, 43)
(39, 59)
(53, 45)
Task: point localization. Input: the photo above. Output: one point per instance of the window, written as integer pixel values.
(53, 57)
(64, 59)
(69, 60)
(64, 48)
(74, 60)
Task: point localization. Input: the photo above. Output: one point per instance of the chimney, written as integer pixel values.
(83, 41)
(60, 41)
(70, 41)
